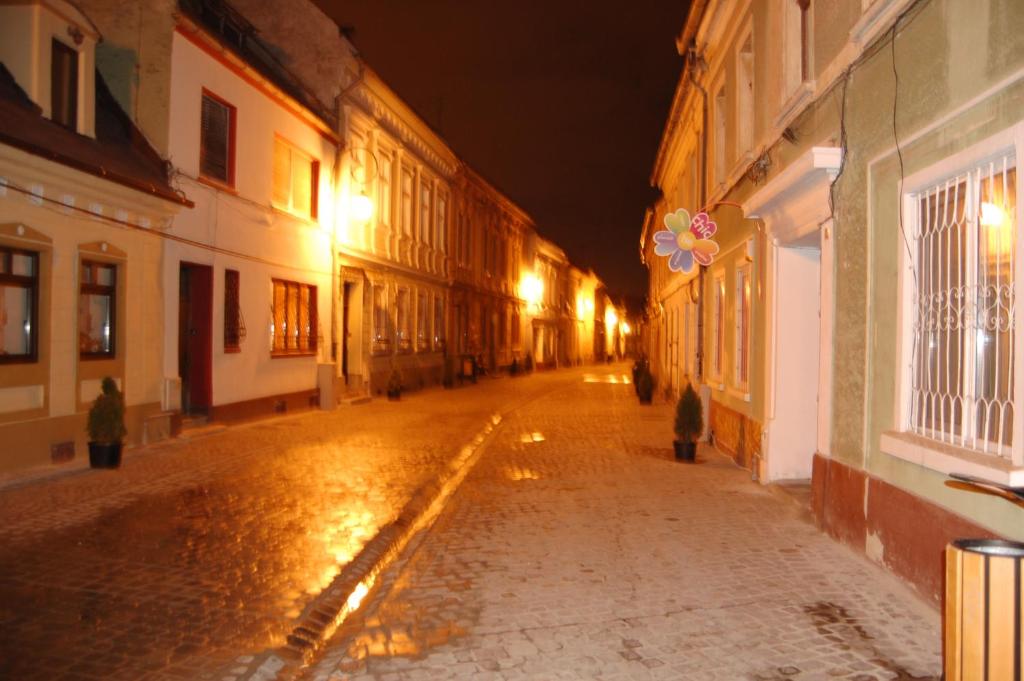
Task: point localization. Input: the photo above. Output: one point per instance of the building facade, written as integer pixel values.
(487, 246)
(872, 194)
(84, 204)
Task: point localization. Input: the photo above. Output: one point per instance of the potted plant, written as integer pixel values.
(645, 386)
(106, 427)
(688, 425)
(395, 385)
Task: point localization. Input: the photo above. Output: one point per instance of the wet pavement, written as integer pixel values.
(578, 549)
(196, 555)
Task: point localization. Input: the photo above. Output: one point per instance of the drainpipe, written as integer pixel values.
(694, 58)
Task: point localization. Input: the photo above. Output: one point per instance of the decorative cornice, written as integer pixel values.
(373, 105)
(795, 202)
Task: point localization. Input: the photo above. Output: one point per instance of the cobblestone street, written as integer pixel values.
(578, 549)
(199, 551)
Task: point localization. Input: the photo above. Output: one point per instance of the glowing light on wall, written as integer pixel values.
(625, 328)
(531, 289)
(610, 318)
(361, 208)
(999, 229)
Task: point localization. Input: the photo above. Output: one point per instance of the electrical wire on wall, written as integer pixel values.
(62, 208)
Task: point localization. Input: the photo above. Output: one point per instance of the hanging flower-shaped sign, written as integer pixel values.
(686, 240)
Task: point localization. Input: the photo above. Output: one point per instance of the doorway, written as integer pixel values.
(346, 311)
(195, 337)
(792, 436)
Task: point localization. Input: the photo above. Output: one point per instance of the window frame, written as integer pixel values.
(407, 202)
(385, 186)
(903, 441)
(73, 85)
(32, 284)
(403, 323)
(743, 333)
(745, 101)
(92, 288)
(718, 328)
(314, 178)
(313, 318)
(229, 182)
(380, 343)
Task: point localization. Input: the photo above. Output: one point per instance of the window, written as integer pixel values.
(439, 335)
(64, 85)
(742, 365)
(719, 131)
(805, 39)
(745, 95)
(797, 65)
(422, 321)
(97, 306)
(403, 331)
(425, 208)
(407, 199)
(718, 328)
(515, 329)
(234, 328)
(296, 179)
(381, 320)
(294, 328)
(964, 249)
(217, 140)
(441, 225)
(384, 189)
(19, 305)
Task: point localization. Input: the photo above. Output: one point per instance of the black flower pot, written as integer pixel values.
(685, 451)
(103, 455)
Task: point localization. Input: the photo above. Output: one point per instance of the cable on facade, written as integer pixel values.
(125, 224)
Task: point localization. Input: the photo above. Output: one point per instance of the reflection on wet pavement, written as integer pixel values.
(196, 553)
(607, 378)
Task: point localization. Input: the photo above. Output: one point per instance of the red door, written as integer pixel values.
(195, 337)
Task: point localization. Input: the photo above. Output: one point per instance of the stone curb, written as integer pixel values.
(347, 592)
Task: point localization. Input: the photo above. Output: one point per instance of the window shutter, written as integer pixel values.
(282, 173)
(215, 144)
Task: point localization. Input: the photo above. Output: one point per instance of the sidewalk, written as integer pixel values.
(199, 554)
(578, 549)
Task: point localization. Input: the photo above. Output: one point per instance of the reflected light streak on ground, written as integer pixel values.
(607, 378)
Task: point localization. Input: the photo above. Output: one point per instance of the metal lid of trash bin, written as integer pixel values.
(991, 547)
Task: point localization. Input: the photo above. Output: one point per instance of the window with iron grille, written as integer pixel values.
(217, 140)
(962, 356)
(294, 327)
(64, 85)
(439, 334)
(19, 305)
(97, 310)
(234, 327)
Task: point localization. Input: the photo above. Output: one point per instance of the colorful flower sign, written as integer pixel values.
(686, 240)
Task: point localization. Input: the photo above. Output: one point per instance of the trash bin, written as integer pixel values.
(984, 603)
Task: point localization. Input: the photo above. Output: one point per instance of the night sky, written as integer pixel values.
(558, 103)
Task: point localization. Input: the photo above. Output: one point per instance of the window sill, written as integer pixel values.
(232, 350)
(946, 458)
(286, 355)
(217, 184)
(742, 393)
(94, 356)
